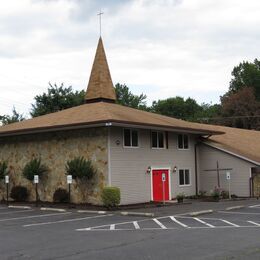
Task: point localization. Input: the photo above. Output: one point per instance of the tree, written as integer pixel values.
(246, 74)
(56, 99)
(15, 117)
(127, 98)
(241, 109)
(177, 107)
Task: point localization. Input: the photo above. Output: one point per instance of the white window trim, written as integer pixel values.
(164, 140)
(184, 185)
(169, 177)
(138, 139)
(183, 149)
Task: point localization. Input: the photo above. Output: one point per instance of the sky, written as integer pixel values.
(162, 48)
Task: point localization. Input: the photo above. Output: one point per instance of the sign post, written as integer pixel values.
(36, 181)
(228, 179)
(7, 189)
(69, 182)
(163, 182)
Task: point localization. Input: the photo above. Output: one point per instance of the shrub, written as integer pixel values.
(111, 197)
(80, 168)
(19, 193)
(3, 169)
(202, 194)
(224, 194)
(61, 195)
(34, 167)
(216, 193)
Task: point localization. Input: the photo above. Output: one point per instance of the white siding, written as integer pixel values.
(240, 173)
(128, 165)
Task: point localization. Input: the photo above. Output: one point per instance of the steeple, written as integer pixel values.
(100, 86)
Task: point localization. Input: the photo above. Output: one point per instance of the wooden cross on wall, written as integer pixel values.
(218, 170)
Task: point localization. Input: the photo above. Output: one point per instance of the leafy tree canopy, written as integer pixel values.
(127, 98)
(9, 119)
(56, 99)
(246, 74)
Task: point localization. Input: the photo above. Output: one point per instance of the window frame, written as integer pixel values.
(164, 139)
(189, 171)
(131, 142)
(188, 138)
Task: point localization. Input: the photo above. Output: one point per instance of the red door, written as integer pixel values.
(160, 185)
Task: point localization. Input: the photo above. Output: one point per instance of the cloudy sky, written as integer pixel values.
(162, 48)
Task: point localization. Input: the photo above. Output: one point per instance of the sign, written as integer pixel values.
(69, 179)
(36, 179)
(228, 175)
(163, 177)
(6, 179)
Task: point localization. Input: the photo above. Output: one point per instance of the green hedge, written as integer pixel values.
(111, 196)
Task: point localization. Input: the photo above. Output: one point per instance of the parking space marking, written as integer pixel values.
(16, 211)
(230, 223)
(205, 223)
(159, 223)
(255, 206)
(65, 220)
(239, 212)
(254, 223)
(112, 227)
(178, 222)
(34, 216)
(136, 225)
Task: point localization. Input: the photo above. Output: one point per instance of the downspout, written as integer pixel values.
(196, 168)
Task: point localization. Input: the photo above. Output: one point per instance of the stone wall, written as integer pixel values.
(55, 149)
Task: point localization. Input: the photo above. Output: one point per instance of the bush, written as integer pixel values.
(216, 193)
(61, 195)
(80, 168)
(19, 193)
(111, 197)
(224, 194)
(3, 169)
(34, 167)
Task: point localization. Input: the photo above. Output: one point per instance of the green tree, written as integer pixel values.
(127, 98)
(56, 99)
(9, 119)
(246, 74)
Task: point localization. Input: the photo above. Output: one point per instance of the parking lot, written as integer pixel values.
(32, 233)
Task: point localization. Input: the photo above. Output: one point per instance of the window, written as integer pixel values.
(183, 141)
(157, 139)
(130, 138)
(184, 177)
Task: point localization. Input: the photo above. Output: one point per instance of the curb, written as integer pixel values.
(127, 213)
(53, 209)
(235, 207)
(19, 207)
(92, 211)
(197, 213)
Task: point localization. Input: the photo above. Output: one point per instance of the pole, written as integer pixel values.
(69, 193)
(7, 193)
(36, 194)
(229, 190)
(163, 194)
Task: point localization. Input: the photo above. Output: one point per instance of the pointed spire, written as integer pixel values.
(100, 86)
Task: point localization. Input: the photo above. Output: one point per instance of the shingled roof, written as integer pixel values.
(240, 142)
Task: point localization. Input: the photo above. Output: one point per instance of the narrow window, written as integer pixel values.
(130, 138)
(183, 141)
(184, 177)
(158, 139)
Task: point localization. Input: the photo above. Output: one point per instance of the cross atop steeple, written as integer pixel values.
(100, 14)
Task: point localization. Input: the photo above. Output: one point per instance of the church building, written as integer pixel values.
(150, 157)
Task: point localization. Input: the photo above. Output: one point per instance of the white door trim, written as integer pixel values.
(169, 178)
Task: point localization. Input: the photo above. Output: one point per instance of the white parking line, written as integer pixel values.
(239, 213)
(65, 220)
(254, 223)
(230, 223)
(35, 216)
(255, 206)
(16, 211)
(203, 222)
(178, 222)
(159, 223)
(136, 225)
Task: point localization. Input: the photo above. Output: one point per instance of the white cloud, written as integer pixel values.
(161, 47)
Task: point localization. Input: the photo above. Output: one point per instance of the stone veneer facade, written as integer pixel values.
(54, 149)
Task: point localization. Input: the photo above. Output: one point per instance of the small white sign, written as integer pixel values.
(228, 175)
(163, 177)
(6, 179)
(69, 179)
(36, 179)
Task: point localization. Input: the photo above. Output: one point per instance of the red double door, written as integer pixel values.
(160, 185)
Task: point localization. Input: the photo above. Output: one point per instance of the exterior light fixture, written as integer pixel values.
(148, 171)
(174, 169)
(117, 142)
